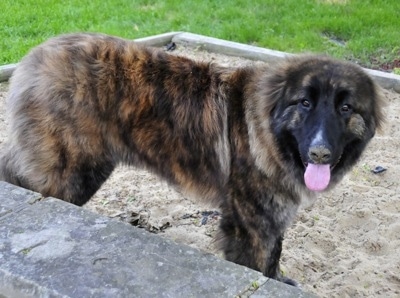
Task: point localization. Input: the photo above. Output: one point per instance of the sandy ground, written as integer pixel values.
(346, 245)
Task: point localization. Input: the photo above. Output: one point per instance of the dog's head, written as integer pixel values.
(322, 113)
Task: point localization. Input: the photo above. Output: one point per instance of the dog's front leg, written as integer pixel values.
(251, 237)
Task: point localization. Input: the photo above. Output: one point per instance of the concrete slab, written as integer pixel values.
(229, 48)
(386, 80)
(13, 199)
(6, 71)
(50, 248)
(157, 40)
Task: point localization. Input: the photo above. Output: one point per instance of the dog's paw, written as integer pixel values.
(290, 282)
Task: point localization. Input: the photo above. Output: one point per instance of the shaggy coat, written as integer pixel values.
(255, 141)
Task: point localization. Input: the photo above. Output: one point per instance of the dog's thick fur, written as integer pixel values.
(81, 104)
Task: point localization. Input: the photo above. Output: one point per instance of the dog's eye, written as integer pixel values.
(305, 103)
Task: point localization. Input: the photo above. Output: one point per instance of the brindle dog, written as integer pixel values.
(254, 140)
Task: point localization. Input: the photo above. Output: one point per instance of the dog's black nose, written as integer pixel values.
(319, 154)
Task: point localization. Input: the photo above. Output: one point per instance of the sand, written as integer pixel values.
(346, 245)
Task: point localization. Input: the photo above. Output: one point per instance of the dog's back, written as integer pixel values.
(80, 104)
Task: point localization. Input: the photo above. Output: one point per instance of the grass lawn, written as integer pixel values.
(367, 31)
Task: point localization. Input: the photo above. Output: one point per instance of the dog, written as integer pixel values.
(256, 141)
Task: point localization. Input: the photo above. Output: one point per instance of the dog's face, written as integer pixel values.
(323, 114)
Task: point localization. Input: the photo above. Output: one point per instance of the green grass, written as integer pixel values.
(364, 30)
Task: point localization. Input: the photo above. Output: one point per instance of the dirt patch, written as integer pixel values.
(346, 245)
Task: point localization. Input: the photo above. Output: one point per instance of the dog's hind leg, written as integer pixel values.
(7, 170)
(80, 183)
(72, 181)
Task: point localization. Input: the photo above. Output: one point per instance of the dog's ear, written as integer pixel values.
(270, 86)
(276, 85)
(380, 103)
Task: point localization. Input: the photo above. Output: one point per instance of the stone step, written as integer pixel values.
(50, 248)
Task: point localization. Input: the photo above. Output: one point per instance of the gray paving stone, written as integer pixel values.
(50, 248)
(15, 198)
(276, 289)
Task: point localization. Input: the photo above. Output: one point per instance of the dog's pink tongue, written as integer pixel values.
(317, 177)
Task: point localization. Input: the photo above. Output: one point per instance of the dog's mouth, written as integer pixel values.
(330, 166)
(318, 176)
